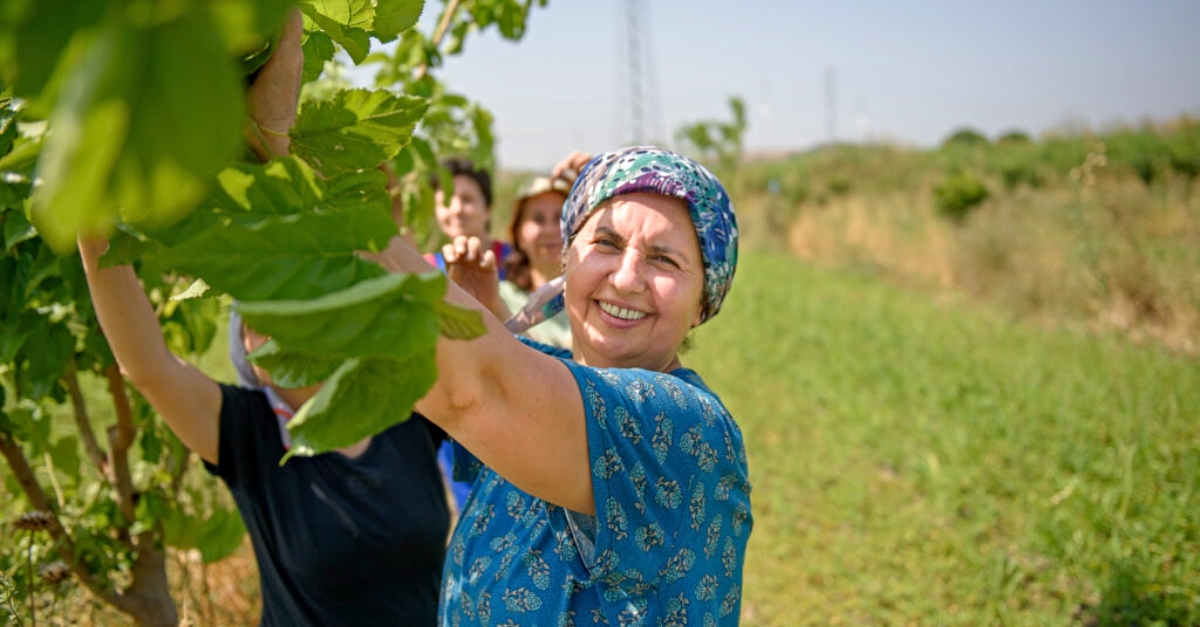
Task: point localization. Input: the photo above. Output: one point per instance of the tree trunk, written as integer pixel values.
(148, 601)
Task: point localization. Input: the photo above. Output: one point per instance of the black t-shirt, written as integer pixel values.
(339, 541)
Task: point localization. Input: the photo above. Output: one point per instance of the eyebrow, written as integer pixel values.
(652, 248)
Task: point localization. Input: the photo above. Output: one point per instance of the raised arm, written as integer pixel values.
(519, 411)
(186, 398)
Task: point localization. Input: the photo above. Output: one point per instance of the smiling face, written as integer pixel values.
(635, 283)
(539, 235)
(464, 213)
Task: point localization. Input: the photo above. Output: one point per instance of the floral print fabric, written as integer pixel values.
(667, 543)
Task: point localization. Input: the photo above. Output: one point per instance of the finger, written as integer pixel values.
(449, 253)
(489, 260)
(474, 249)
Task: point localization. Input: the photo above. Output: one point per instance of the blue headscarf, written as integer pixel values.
(657, 171)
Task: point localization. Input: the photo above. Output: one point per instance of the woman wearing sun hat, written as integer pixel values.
(610, 484)
(536, 257)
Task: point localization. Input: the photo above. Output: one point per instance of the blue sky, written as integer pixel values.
(909, 72)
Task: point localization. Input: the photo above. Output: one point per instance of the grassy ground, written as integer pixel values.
(919, 461)
(937, 464)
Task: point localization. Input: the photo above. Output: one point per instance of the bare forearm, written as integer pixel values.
(125, 314)
(186, 398)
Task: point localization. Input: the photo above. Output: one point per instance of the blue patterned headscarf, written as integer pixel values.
(657, 171)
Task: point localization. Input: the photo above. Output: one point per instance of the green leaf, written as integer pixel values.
(123, 248)
(393, 17)
(288, 186)
(460, 323)
(363, 398)
(352, 190)
(41, 32)
(8, 125)
(65, 453)
(15, 329)
(318, 48)
(48, 348)
(393, 315)
(24, 155)
(220, 535)
(357, 129)
(118, 106)
(344, 25)
(151, 446)
(283, 257)
(282, 186)
(294, 369)
(17, 229)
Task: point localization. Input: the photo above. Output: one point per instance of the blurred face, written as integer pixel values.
(464, 213)
(635, 280)
(252, 340)
(539, 234)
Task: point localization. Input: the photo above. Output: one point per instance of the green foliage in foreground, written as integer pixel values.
(935, 464)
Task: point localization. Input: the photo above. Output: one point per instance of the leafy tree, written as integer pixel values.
(717, 142)
(130, 112)
(965, 137)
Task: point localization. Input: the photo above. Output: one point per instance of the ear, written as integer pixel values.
(699, 316)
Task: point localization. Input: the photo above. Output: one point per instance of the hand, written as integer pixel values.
(473, 267)
(570, 166)
(272, 99)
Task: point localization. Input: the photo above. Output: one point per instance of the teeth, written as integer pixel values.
(624, 314)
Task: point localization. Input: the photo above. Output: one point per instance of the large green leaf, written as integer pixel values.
(40, 32)
(129, 134)
(393, 17)
(288, 185)
(318, 48)
(393, 315)
(282, 186)
(361, 399)
(357, 129)
(283, 257)
(459, 323)
(294, 369)
(346, 21)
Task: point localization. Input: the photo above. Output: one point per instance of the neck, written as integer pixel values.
(539, 277)
(672, 364)
(297, 396)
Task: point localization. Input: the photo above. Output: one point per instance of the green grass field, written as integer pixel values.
(918, 460)
(934, 463)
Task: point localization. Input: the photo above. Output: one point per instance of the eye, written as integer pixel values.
(606, 243)
(663, 259)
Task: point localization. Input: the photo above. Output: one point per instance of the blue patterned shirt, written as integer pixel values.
(668, 540)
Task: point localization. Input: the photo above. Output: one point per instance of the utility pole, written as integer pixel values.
(830, 105)
(640, 89)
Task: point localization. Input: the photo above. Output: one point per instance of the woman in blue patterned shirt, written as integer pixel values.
(610, 484)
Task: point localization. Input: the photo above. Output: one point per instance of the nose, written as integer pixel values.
(628, 275)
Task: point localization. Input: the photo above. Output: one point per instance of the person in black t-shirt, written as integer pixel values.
(353, 537)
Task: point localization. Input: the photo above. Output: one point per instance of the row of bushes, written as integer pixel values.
(1151, 154)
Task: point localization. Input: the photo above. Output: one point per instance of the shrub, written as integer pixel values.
(1014, 138)
(1014, 171)
(965, 137)
(959, 195)
(1185, 155)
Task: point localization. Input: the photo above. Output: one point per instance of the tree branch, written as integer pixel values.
(83, 422)
(439, 34)
(120, 438)
(40, 502)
